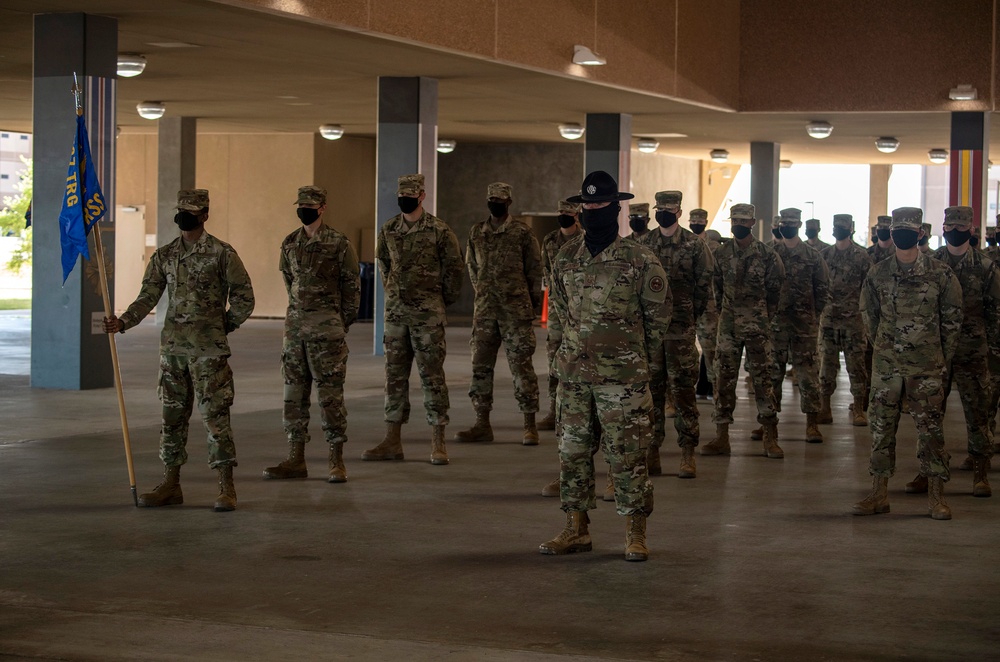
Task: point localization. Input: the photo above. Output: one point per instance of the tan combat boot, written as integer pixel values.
(653, 467)
(635, 537)
(757, 433)
(439, 454)
(480, 430)
(771, 447)
(391, 447)
(858, 416)
(574, 538)
(552, 489)
(719, 445)
(167, 493)
(226, 500)
(980, 478)
(530, 431)
(609, 489)
(966, 463)
(917, 486)
(825, 415)
(688, 468)
(549, 422)
(338, 472)
(813, 435)
(935, 498)
(293, 467)
(877, 502)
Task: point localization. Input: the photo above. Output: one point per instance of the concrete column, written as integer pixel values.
(969, 164)
(765, 162)
(69, 349)
(406, 144)
(609, 148)
(878, 195)
(176, 148)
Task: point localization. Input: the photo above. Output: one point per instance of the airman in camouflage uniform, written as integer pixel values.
(200, 275)
(912, 308)
(812, 234)
(688, 264)
(748, 278)
(991, 250)
(775, 239)
(612, 299)
(841, 326)
(321, 275)
(708, 322)
(795, 329)
(421, 267)
(638, 219)
(505, 267)
(924, 243)
(882, 246)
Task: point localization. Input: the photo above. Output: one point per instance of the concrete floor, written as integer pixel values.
(755, 559)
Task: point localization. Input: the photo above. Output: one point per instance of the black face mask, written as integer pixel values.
(665, 218)
(903, 238)
(697, 228)
(602, 227)
(497, 209)
(957, 237)
(566, 221)
(187, 221)
(407, 205)
(741, 231)
(812, 234)
(992, 241)
(974, 241)
(883, 234)
(639, 224)
(307, 215)
(841, 234)
(923, 241)
(788, 232)
(776, 232)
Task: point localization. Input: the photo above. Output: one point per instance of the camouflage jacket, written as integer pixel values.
(877, 253)
(688, 264)
(421, 269)
(324, 289)
(551, 245)
(748, 285)
(505, 266)
(817, 244)
(848, 269)
(613, 309)
(806, 289)
(980, 281)
(913, 318)
(199, 282)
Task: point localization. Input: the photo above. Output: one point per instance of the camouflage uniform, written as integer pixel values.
(199, 280)
(812, 225)
(638, 219)
(708, 321)
(993, 253)
(877, 252)
(924, 243)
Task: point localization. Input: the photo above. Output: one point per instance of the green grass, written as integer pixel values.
(14, 304)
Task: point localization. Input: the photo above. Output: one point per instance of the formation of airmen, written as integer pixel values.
(626, 318)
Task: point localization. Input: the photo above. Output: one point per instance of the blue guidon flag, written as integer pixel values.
(83, 205)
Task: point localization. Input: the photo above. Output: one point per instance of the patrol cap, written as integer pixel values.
(499, 190)
(410, 185)
(639, 209)
(791, 217)
(569, 208)
(908, 218)
(812, 224)
(311, 195)
(599, 186)
(668, 199)
(843, 221)
(991, 231)
(192, 199)
(742, 211)
(926, 227)
(698, 217)
(960, 215)
(884, 222)
(713, 235)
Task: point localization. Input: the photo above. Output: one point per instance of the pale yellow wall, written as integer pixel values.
(135, 186)
(715, 185)
(659, 172)
(346, 169)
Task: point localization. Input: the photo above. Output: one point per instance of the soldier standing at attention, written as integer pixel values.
(924, 243)
(688, 264)
(708, 322)
(912, 307)
(775, 232)
(748, 278)
(321, 275)
(638, 219)
(505, 267)
(200, 275)
(841, 326)
(991, 249)
(612, 299)
(883, 246)
(421, 268)
(812, 234)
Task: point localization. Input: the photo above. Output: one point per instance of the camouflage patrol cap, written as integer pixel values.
(698, 216)
(958, 215)
(311, 195)
(569, 208)
(713, 235)
(668, 199)
(192, 199)
(410, 185)
(742, 211)
(791, 217)
(499, 190)
(884, 222)
(843, 221)
(812, 224)
(639, 209)
(991, 231)
(908, 218)
(926, 227)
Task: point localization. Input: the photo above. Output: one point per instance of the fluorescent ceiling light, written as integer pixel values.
(585, 56)
(130, 64)
(150, 110)
(886, 144)
(571, 131)
(938, 156)
(647, 145)
(819, 129)
(719, 155)
(962, 93)
(331, 131)
(446, 146)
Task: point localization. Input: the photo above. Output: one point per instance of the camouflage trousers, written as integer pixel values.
(972, 376)
(552, 341)
(925, 396)
(994, 402)
(728, 351)
(518, 339)
(798, 347)
(622, 412)
(402, 345)
(679, 358)
(852, 343)
(182, 379)
(708, 329)
(324, 362)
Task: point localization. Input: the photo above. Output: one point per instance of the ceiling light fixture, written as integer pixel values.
(131, 64)
(150, 110)
(585, 56)
(647, 145)
(962, 93)
(819, 129)
(571, 131)
(886, 144)
(785, 163)
(938, 156)
(446, 146)
(719, 155)
(331, 131)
